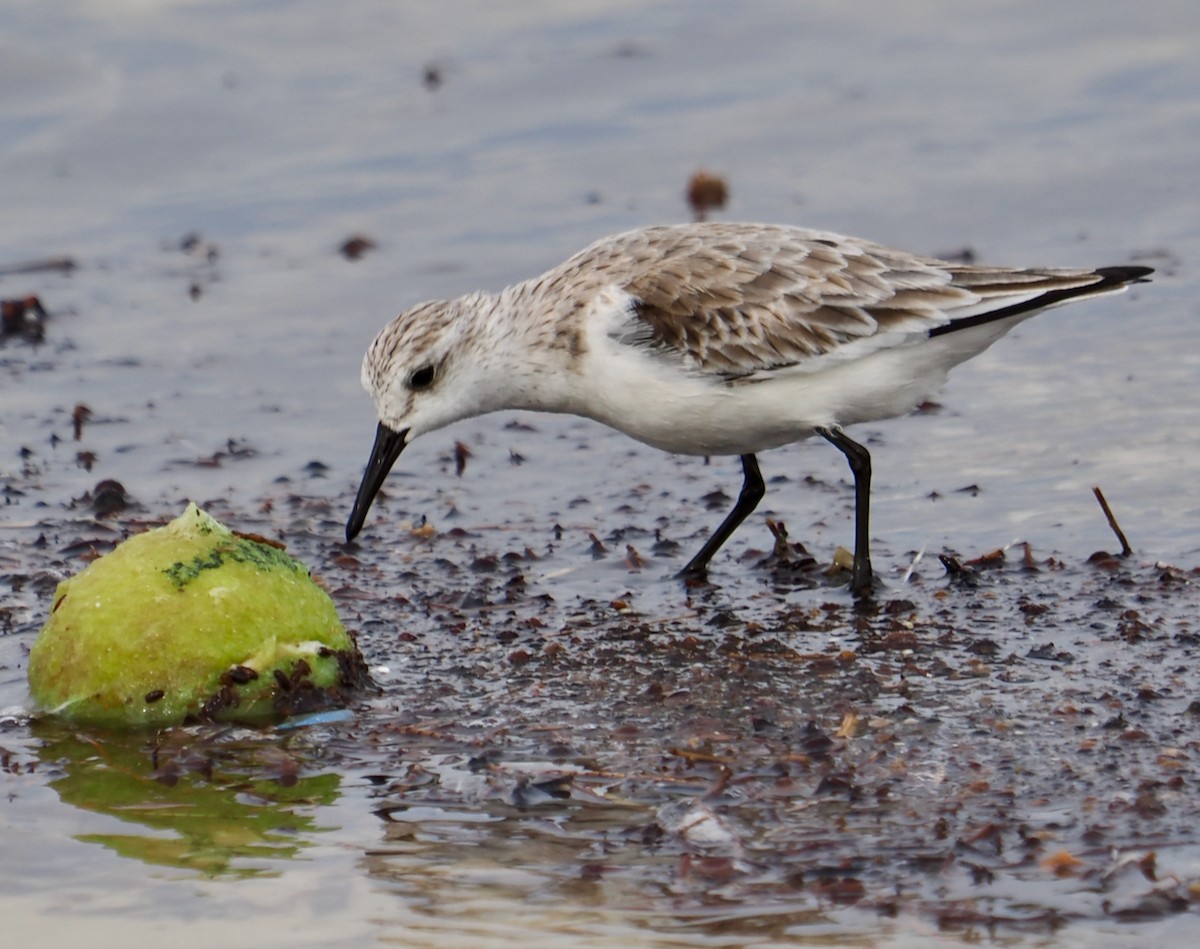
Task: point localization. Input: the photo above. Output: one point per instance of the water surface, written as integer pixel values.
(202, 162)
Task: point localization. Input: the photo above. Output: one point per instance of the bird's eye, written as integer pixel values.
(422, 378)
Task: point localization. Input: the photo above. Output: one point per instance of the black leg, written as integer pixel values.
(861, 577)
(752, 492)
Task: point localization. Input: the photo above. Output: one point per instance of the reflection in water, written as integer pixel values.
(217, 801)
(586, 853)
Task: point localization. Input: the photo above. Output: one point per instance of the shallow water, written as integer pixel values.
(476, 145)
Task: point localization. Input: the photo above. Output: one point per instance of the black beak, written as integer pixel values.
(386, 450)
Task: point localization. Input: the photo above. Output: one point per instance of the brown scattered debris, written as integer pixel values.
(665, 546)
(993, 558)
(688, 754)
(80, 414)
(356, 246)
(786, 559)
(779, 532)
(260, 539)
(777, 746)
(1105, 561)
(1126, 550)
(461, 454)
(89, 548)
(706, 192)
(108, 498)
(1062, 864)
(86, 459)
(24, 318)
(598, 548)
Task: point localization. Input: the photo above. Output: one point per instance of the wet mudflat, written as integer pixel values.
(1008, 755)
(568, 746)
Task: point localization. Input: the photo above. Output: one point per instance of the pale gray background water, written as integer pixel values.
(1034, 133)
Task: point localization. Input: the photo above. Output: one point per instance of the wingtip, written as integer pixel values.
(1120, 276)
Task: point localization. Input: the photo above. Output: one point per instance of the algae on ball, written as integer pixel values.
(191, 621)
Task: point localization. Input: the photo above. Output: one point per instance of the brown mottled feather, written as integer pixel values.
(736, 299)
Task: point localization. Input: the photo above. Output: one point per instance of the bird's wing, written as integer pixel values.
(735, 300)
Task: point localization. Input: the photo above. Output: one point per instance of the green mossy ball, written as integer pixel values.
(191, 621)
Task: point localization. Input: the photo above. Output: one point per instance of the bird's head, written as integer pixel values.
(419, 376)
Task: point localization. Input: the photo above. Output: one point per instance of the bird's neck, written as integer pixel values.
(525, 349)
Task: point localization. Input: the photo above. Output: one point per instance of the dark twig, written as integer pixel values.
(1126, 550)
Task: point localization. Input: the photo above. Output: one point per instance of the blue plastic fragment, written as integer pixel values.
(330, 717)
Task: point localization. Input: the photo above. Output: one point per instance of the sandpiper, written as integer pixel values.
(709, 339)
